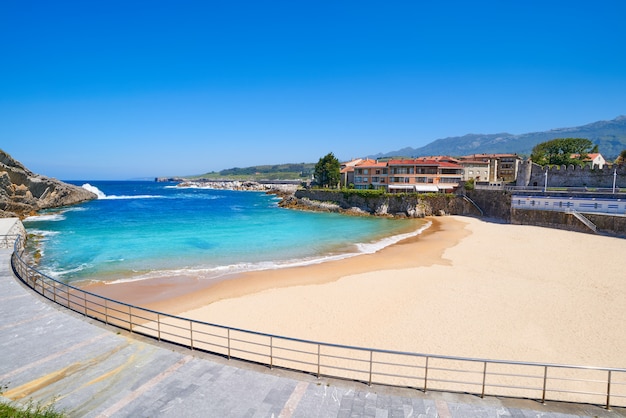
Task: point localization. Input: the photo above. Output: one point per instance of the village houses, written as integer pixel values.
(429, 174)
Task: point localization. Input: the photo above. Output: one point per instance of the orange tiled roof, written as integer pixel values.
(424, 161)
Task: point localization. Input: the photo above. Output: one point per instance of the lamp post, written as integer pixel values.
(614, 179)
(545, 183)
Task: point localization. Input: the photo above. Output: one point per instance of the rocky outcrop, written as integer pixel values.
(240, 185)
(23, 192)
(401, 205)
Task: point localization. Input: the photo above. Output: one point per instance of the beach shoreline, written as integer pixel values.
(175, 295)
(464, 287)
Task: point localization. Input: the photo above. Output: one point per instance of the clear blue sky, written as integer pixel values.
(108, 89)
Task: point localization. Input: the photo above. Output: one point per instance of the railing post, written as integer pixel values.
(608, 393)
(130, 319)
(371, 357)
(85, 303)
(228, 335)
(319, 348)
(69, 305)
(482, 394)
(271, 352)
(191, 334)
(545, 381)
(426, 375)
(106, 313)
(159, 326)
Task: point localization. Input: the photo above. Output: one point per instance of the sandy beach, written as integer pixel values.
(465, 288)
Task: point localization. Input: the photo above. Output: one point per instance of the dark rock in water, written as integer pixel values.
(23, 192)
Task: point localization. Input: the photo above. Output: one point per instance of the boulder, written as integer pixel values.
(23, 192)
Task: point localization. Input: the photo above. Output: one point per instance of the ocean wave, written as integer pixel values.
(370, 248)
(59, 274)
(42, 233)
(50, 217)
(102, 196)
(216, 272)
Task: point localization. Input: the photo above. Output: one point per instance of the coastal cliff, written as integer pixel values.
(23, 192)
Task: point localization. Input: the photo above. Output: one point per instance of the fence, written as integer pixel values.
(7, 241)
(565, 204)
(595, 385)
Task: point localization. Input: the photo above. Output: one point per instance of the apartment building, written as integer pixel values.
(371, 174)
(502, 167)
(408, 175)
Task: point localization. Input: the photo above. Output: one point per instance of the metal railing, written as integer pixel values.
(541, 189)
(582, 219)
(7, 241)
(540, 381)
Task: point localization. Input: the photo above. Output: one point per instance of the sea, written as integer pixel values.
(138, 230)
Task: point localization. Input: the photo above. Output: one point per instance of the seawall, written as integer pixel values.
(371, 202)
(494, 204)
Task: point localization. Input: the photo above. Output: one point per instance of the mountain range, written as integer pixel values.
(609, 135)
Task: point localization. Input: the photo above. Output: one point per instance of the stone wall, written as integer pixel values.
(531, 174)
(9, 229)
(409, 205)
(494, 203)
(606, 224)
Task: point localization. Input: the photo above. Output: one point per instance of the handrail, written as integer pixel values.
(541, 381)
(474, 203)
(582, 219)
(8, 240)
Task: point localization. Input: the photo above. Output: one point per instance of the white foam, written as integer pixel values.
(212, 273)
(51, 217)
(102, 196)
(42, 233)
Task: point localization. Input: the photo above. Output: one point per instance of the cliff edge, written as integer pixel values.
(23, 192)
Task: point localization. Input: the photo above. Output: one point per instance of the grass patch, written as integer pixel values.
(30, 410)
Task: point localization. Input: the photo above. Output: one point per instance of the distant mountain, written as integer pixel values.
(610, 136)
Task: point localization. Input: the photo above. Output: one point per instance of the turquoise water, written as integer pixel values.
(140, 230)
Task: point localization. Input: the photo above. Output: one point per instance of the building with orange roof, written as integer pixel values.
(408, 175)
(594, 160)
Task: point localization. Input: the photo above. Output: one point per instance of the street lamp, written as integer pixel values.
(614, 179)
(545, 183)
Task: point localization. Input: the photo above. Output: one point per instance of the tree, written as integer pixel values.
(562, 151)
(621, 159)
(328, 171)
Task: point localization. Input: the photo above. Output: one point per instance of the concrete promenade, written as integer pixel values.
(92, 370)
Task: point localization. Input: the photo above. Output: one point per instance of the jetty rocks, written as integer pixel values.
(240, 185)
(23, 192)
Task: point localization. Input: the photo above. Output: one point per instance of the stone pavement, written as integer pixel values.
(91, 370)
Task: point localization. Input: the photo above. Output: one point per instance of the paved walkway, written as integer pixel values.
(92, 370)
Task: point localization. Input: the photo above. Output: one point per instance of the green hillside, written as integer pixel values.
(299, 171)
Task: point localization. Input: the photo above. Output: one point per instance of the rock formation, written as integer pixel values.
(23, 192)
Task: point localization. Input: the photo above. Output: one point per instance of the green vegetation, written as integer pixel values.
(469, 184)
(563, 151)
(300, 171)
(621, 159)
(365, 193)
(327, 171)
(30, 410)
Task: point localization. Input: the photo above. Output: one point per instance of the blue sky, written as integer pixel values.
(121, 89)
